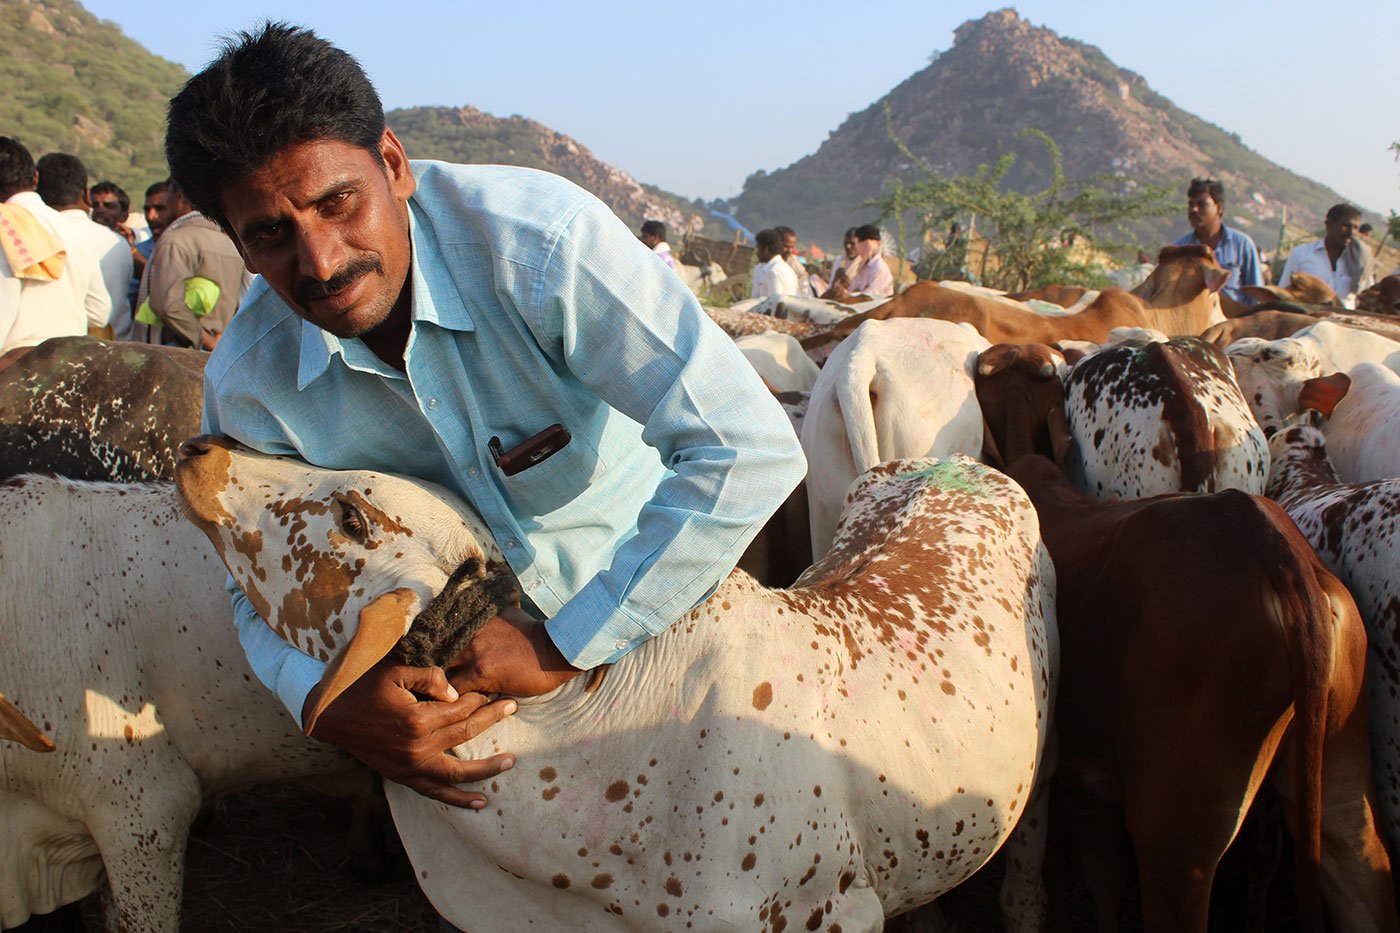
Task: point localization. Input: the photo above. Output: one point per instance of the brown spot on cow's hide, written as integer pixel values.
(602, 882)
(750, 860)
(662, 910)
(762, 695)
(130, 733)
(616, 791)
(561, 881)
(673, 886)
(550, 793)
(548, 774)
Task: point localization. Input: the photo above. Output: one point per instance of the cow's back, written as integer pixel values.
(1151, 418)
(97, 410)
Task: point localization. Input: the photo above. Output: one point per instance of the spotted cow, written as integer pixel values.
(1149, 418)
(1271, 372)
(1363, 420)
(896, 388)
(814, 758)
(1355, 529)
(97, 410)
(117, 643)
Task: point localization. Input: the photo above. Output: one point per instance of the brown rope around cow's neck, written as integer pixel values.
(470, 599)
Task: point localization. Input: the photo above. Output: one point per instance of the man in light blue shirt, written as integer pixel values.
(420, 318)
(1235, 251)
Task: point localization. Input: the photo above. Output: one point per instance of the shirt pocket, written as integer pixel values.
(554, 482)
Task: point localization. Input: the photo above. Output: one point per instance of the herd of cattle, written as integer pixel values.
(1129, 549)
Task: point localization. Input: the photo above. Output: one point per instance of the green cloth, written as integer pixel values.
(201, 295)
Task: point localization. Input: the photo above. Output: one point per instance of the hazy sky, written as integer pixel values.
(695, 96)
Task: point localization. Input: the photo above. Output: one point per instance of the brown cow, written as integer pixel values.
(1273, 324)
(1381, 298)
(1066, 296)
(1302, 288)
(1178, 298)
(1154, 723)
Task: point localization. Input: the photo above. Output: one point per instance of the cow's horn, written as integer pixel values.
(16, 726)
(382, 623)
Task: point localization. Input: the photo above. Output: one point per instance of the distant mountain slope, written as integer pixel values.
(70, 82)
(466, 134)
(1002, 75)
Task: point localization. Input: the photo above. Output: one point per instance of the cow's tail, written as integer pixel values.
(1303, 609)
(857, 395)
(1185, 418)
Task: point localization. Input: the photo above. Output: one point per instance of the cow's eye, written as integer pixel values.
(352, 521)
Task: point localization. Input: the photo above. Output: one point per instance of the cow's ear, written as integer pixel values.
(1323, 393)
(1060, 438)
(1216, 278)
(16, 727)
(382, 623)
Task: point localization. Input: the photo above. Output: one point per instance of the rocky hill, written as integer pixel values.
(1003, 75)
(74, 83)
(465, 134)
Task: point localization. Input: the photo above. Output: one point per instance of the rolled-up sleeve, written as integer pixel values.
(630, 330)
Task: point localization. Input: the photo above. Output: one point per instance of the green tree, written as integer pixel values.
(1023, 233)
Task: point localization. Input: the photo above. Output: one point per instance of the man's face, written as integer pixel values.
(650, 240)
(327, 226)
(107, 210)
(789, 244)
(849, 245)
(158, 212)
(867, 248)
(1342, 230)
(1202, 213)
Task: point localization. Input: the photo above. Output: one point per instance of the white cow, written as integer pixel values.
(119, 643)
(1355, 528)
(896, 388)
(780, 360)
(1363, 427)
(1270, 372)
(798, 308)
(816, 757)
(1149, 418)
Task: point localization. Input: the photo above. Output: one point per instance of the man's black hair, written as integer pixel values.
(16, 167)
(1341, 211)
(867, 232)
(785, 231)
(1208, 186)
(63, 179)
(654, 228)
(112, 188)
(770, 240)
(159, 187)
(850, 232)
(267, 90)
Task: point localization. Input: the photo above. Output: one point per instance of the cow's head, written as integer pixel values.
(1188, 279)
(339, 564)
(1270, 373)
(1302, 287)
(1298, 455)
(1023, 403)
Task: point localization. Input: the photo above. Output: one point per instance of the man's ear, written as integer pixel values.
(400, 173)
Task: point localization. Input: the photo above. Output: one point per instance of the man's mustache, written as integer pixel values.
(308, 289)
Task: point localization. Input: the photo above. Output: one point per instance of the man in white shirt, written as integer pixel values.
(63, 184)
(873, 276)
(804, 278)
(1339, 258)
(33, 311)
(772, 276)
(654, 238)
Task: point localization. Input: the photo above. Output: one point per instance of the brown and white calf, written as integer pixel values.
(1151, 418)
(1355, 528)
(1362, 408)
(117, 641)
(820, 757)
(1162, 602)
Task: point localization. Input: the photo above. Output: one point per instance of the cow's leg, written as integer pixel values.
(1356, 881)
(1024, 906)
(1103, 857)
(142, 840)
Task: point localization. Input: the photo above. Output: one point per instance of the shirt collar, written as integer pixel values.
(436, 300)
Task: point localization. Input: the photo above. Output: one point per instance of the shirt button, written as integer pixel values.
(620, 644)
(512, 545)
(473, 471)
(432, 403)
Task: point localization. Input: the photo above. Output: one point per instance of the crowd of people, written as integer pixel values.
(76, 260)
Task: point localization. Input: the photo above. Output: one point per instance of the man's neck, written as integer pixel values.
(1213, 237)
(389, 341)
(1334, 250)
(71, 207)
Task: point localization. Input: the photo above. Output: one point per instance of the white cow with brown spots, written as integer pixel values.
(816, 758)
(119, 646)
(896, 388)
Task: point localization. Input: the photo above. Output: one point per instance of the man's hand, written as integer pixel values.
(401, 720)
(512, 654)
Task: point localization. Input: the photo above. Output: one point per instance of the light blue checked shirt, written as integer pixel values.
(532, 304)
